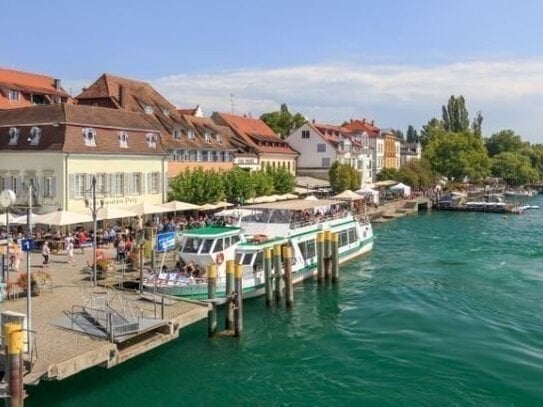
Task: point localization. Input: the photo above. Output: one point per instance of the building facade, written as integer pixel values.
(410, 151)
(59, 148)
(320, 145)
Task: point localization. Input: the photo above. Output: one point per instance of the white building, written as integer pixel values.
(320, 145)
(410, 151)
(58, 148)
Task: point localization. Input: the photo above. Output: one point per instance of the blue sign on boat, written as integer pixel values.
(165, 241)
(27, 245)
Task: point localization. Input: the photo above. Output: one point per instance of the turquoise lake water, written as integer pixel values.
(445, 311)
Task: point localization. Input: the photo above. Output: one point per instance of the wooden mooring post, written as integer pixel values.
(268, 277)
(277, 272)
(320, 257)
(13, 334)
(230, 287)
(327, 255)
(211, 294)
(335, 257)
(287, 275)
(238, 302)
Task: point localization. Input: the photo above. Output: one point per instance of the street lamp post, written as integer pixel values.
(94, 212)
(28, 275)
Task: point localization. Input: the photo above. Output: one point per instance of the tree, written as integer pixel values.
(433, 127)
(535, 154)
(458, 155)
(455, 115)
(398, 134)
(263, 182)
(417, 173)
(282, 121)
(197, 186)
(238, 185)
(343, 177)
(283, 181)
(476, 124)
(412, 135)
(502, 142)
(514, 168)
(388, 174)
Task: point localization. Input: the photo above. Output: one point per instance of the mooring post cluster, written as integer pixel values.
(327, 256)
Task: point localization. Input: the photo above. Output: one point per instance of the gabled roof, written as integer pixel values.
(362, 126)
(335, 134)
(61, 129)
(254, 133)
(26, 82)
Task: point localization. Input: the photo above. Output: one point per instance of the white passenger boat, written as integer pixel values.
(294, 223)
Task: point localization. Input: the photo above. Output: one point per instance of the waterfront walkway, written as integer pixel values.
(60, 352)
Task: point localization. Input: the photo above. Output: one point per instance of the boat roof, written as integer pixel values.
(211, 231)
(295, 204)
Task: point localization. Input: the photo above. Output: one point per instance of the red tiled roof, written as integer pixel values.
(62, 126)
(190, 112)
(362, 126)
(255, 134)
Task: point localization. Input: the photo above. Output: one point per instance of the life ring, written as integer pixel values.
(219, 259)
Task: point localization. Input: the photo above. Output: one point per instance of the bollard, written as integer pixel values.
(277, 272)
(289, 291)
(335, 257)
(268, 278)
(320, 257)
(327, 240)
(14, 336)
(211, 294)
(238, 309)
(327, 255)
(230, 275)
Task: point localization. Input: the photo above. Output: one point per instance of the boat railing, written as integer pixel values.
(316, 219)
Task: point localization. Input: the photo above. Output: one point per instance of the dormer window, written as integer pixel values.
(148, 109)
(151, 139)
(190, 135)
(207, 137)
(34, 136)
(123, 139)
(89, 137)
(13, 95)
(14, 135)
(177, 134)
(219, 138)
(166, 112)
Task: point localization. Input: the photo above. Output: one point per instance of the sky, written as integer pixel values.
(395, 62)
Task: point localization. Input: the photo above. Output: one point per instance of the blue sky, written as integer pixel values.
(395, 62)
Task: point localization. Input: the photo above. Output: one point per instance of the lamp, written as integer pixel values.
(94, 212)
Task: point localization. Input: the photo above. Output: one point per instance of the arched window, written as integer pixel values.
(123, 139)
(14, 135)
(89, 137)
(151, 139)
(34, 136)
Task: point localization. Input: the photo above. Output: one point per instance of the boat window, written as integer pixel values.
(301, 245)
(247, 259)
(352, 235)
(239, 256)
(206, 247)
(343, 238)
(235, 239)
(259, 262)
(226, 242)
(310, 247)
(191, 245)
(218, 246)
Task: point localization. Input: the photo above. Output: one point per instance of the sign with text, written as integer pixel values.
(165, 241)
(27, 245)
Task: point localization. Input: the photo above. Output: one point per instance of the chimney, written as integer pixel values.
(57, 83)
(351, 119)
(122, 95)
(313, 121)
(372, 122)
(363, 121)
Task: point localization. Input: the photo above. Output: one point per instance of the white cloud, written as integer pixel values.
(393, 95)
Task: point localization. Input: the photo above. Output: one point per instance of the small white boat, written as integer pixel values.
(524, 207)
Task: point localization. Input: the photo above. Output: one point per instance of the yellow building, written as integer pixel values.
(58, 148)
(392, 151)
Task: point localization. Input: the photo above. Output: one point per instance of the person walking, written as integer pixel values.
(45, 252)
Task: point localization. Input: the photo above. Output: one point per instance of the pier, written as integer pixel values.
(398, 209)
(78, 326)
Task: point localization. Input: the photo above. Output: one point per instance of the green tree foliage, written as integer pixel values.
(455, 115)
(282, 121)
(502, 142)
(477, 124)
(343, 177)
(515, 168)
(388, 174)
(434, 126)
(238, 185)
(197, 186)
(417, 173)
(411, 135)
(263, 182)
(535, 154)
(283, 181)
(399, 134)
(458, 155)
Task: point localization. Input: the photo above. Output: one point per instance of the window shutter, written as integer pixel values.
(107, 185)
(149, 182)
(71, 186)
(159, 183)
(142, 184)
(126, 185)
(20, 182)
(53, 191)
